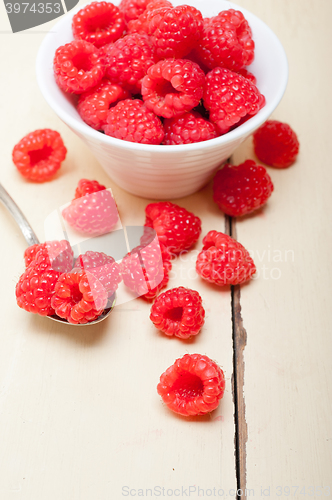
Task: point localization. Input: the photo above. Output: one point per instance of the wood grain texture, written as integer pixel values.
(286, 310)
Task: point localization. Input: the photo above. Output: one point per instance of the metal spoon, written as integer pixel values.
(32, 239)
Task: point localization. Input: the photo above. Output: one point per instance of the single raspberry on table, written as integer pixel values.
(78, 67)
(145, 270)
(178, 312)
(132, 9)
(229, 97)
(38, 156)
(130, 120)
(79, 297)
(128, 59)
(94, 212)
(193, 385)
(141, 23)
(175, 30)
(36, 286)
(224, 261)
(103, 267)
(226, 41)
(188, 128)
(173, 86)
(276, 144)
(60, 254)
(176, 228)
(241, 189)
(93, 105)
(98, 23)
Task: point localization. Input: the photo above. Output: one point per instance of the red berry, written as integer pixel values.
(172, 87)
(103, 267)
(145, 269)
(131, 120)
(178, 312)
(128, 60)
(98, 23)
(249, 76)
(94, 104)
(59, 253)
(78, 67)
(141, 23)
(85, 186)
(230, 97)
(241, 189)
(276, 144)
(188, 128)
(132, 9)
(176, 228)
(38, 156)
(175, 30)
(193, 385)
(224, 261)
(94, 213)
(226, 41)
(79, 297)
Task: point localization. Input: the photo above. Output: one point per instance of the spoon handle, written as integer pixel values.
(24, 225)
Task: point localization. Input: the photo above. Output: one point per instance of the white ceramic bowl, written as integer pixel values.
(167, 172)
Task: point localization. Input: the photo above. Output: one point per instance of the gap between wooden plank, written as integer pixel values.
(239, 343)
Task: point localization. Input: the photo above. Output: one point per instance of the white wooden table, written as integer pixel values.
(80, 418)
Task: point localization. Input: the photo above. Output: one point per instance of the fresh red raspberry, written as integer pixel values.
(249, 76)
(128, 59)
(226, 41)
(230, 97)
(193, 385)
(178, 312)
(239, 190)
(94, 104)
(132, 9)
(176, 228)
(79, 297)
(276, 144)
(36, 286)
(141, 24)
(103, 267)
(94, 213)
(130, 120)
(172, 87)
(38, 156)
(78, 67)
(59, 253)
(224, 261)
(85, 186)
(145, 270)
(188, 128)
(98, 23)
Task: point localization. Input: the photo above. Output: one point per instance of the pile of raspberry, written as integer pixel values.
(151, 73)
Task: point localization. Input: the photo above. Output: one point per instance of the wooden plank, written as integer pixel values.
(285, 311)
(80, 417)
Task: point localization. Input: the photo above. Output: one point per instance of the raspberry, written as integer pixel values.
(172, 87)
(226, 41)
(38, 156)
(230, 97)
(224, 261)
(94, 104)
(193, 385)
(145, 269)
(176, 228)
(103, 267)
(178, 312)
(128, 60)
(79, 297)
(249, 76)
(85, 186)
(94, 213)
(78, 67)
(175, 31)
(59, 253)
(131, 120)
(188, 128)
(35, 288)
(241, 189)
(141, 24)
(98, 23)
(276, 144)
(132, 9)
